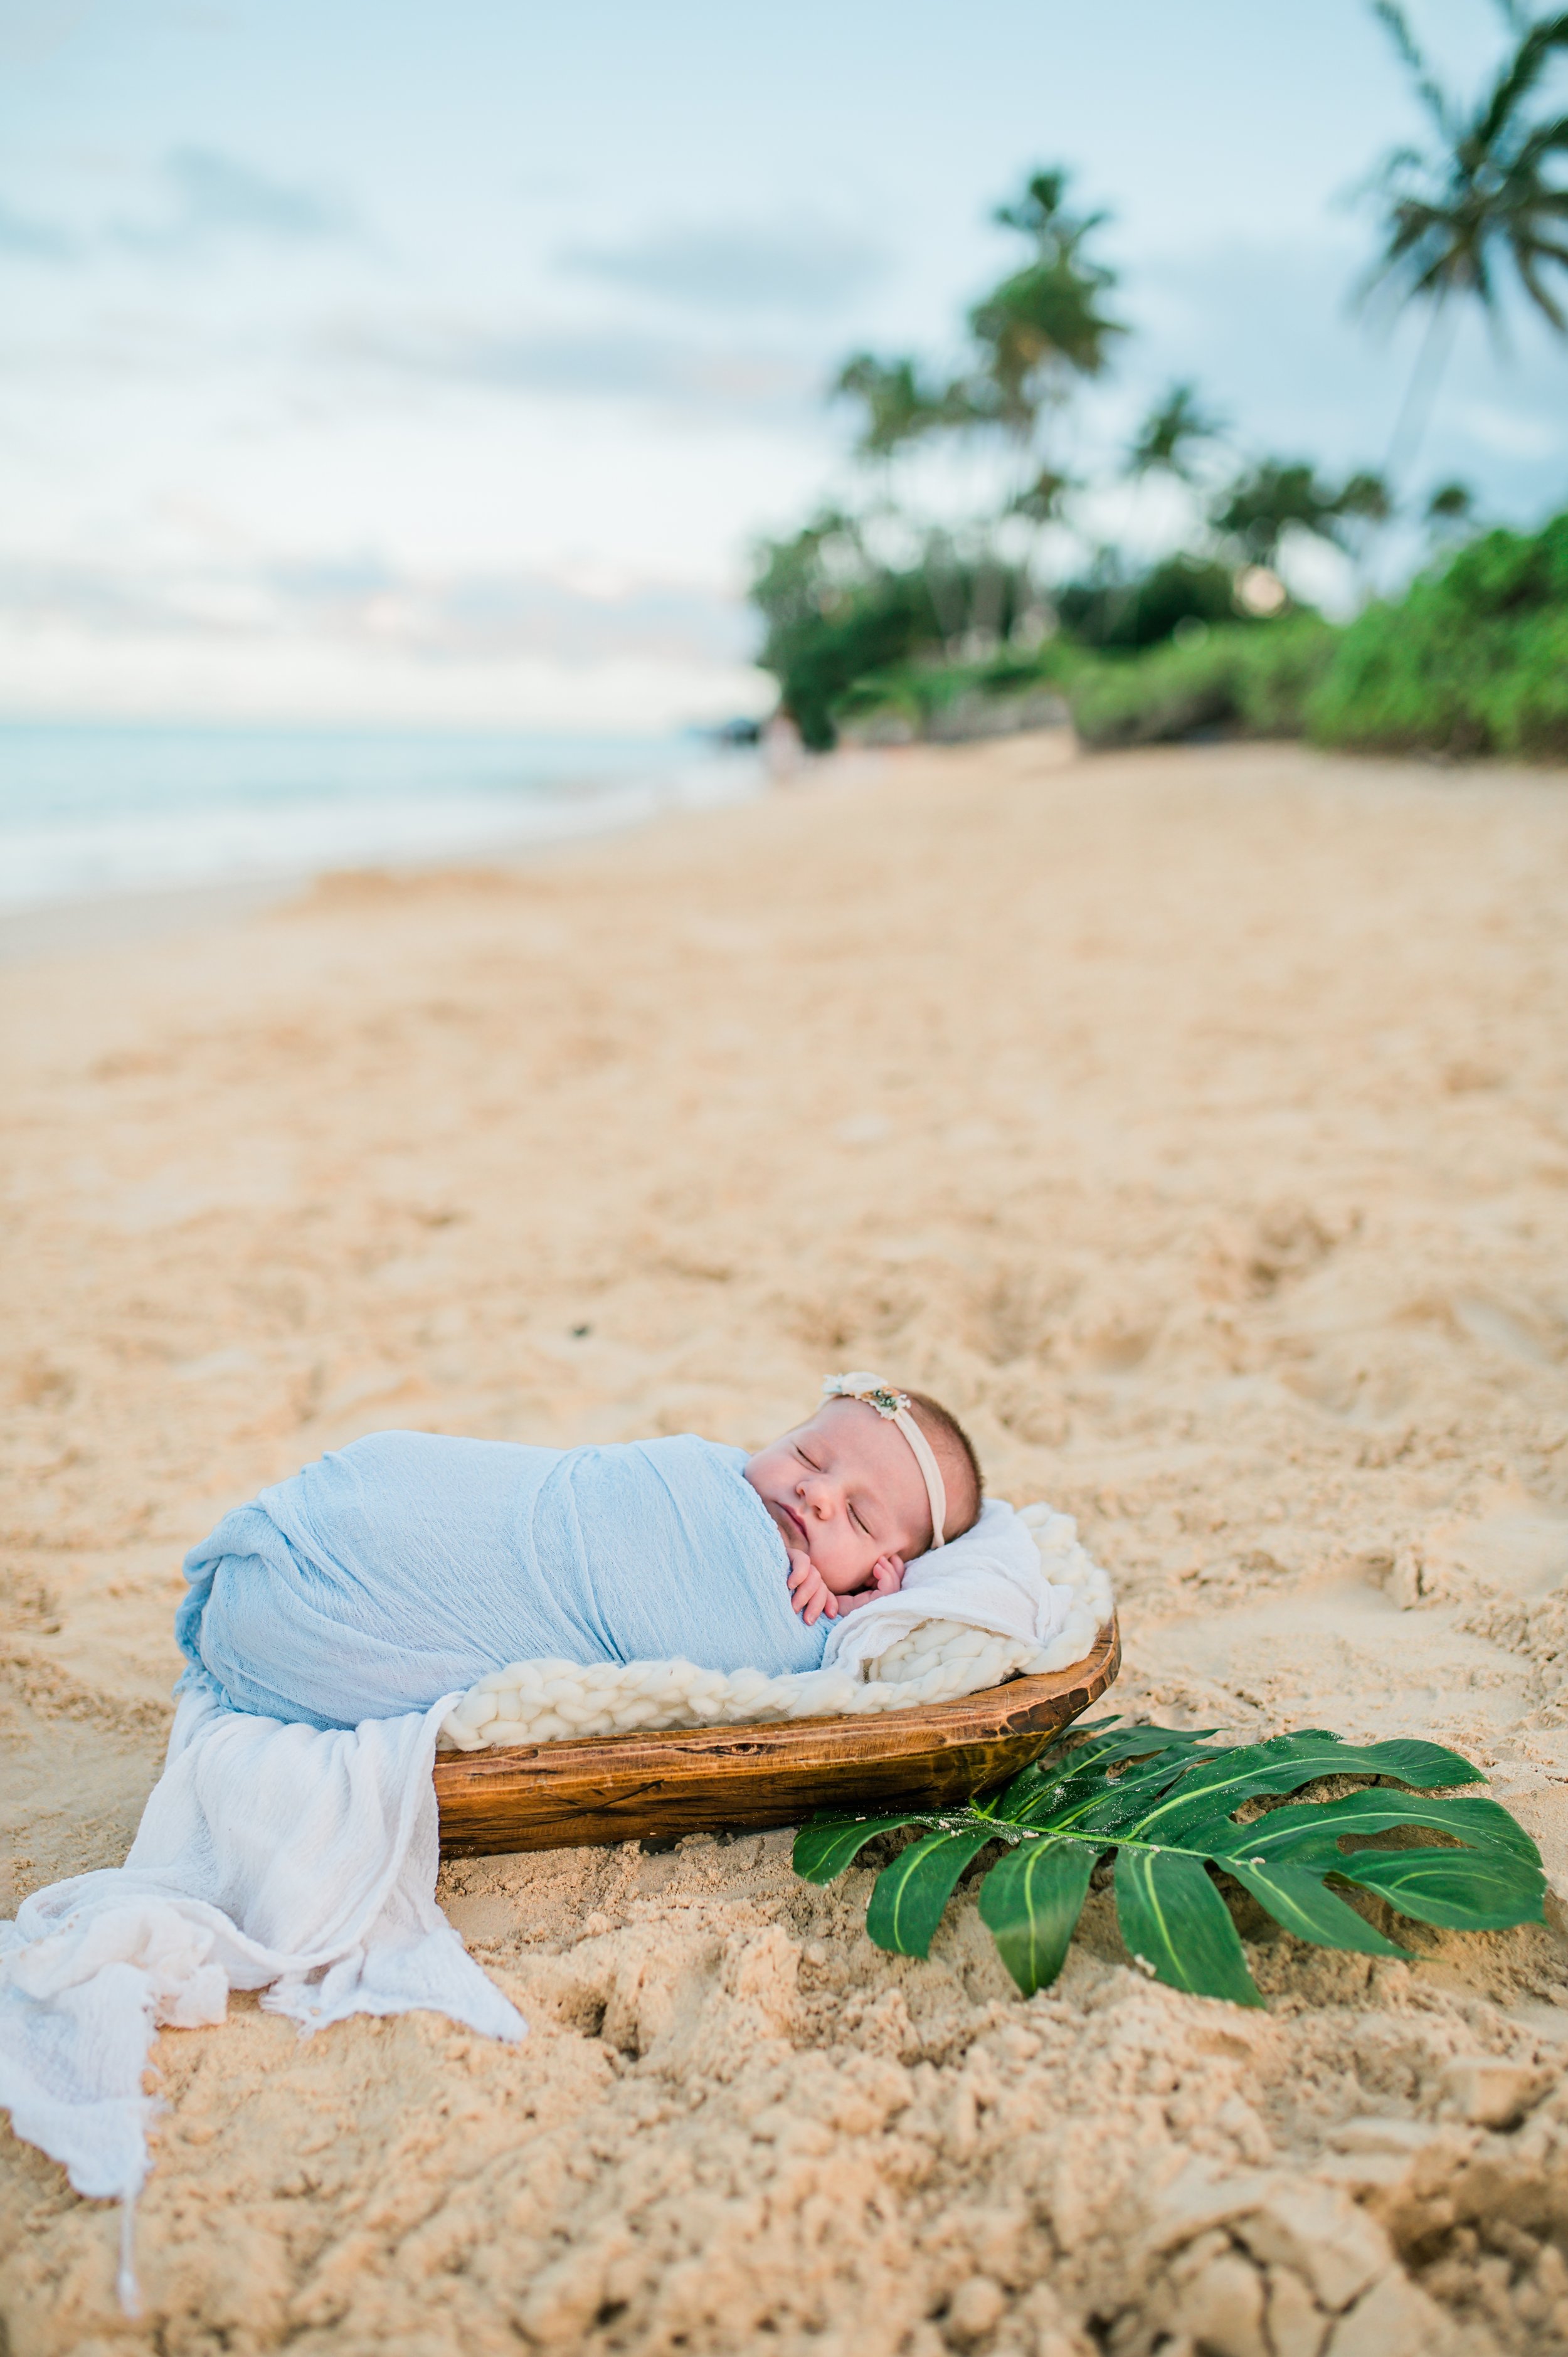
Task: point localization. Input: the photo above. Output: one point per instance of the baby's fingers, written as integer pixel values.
(806, 1588)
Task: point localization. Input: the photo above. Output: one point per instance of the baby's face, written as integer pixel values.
(846, 1489)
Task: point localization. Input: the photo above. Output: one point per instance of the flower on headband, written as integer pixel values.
(881, 1397)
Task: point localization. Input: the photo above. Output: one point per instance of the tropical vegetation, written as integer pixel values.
(1235, 681)
(1189, 1825)
(1472, 660)
(1485, 195)
(899, 613)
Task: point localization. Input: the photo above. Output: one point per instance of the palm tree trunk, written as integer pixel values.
(1415, 409)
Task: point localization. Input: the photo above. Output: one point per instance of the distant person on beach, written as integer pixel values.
(782, 749)
(405, 1567)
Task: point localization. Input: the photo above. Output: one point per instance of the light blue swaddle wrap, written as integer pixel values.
(406, 1566)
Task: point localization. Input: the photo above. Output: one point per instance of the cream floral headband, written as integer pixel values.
(895, 1406)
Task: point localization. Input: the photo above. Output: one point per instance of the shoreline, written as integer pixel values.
(81, 927)
(475, 825)
(82, 924)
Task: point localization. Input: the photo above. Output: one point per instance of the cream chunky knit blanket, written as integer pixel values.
(1016, 1596)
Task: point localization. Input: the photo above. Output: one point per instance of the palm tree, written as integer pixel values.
(1254, 513)
(1177, 425)
(1042, 326)
(1038, 331)
(900, 406)
(1033, 335)
(1450, 507)
(1483, 196)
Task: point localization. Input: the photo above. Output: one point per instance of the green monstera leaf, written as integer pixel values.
(1163, 1803)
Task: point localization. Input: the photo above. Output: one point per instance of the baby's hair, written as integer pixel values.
(946, 1426)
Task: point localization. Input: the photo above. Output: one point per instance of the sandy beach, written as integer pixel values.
(1196, 1122)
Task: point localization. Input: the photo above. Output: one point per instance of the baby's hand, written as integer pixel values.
(809, 1591)
(886, 1578)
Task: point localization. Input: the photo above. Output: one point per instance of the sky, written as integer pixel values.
(441, 360)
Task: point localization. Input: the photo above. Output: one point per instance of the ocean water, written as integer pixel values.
(90, 810)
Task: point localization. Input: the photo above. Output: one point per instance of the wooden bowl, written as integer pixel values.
(615, 1788)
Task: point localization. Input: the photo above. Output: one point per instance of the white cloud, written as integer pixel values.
(359, 638)
(210, 196)
(1511, 433)
(201, 199)
(52, 672)
(798, 269)
(599, 362)
(24, 237)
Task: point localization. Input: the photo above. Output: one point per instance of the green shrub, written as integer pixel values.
(1280, 667)
(836, 616)
(1254, 679)
(935, 699)
(1144, 610)
(818, 655)
(1473, 658)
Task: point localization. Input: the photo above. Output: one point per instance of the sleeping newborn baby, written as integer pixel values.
(405, 1567)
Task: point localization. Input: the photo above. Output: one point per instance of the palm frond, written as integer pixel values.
(1397, 26)
(1519, 77)
(1545, 140)
(1527, 261)
(1176, 423)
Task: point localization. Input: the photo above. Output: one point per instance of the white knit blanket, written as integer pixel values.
(1016, 1596)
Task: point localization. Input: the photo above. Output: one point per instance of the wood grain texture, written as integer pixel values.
(615, 1788)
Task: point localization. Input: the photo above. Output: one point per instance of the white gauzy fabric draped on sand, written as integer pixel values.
(302, 1860)
(270, 1857)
